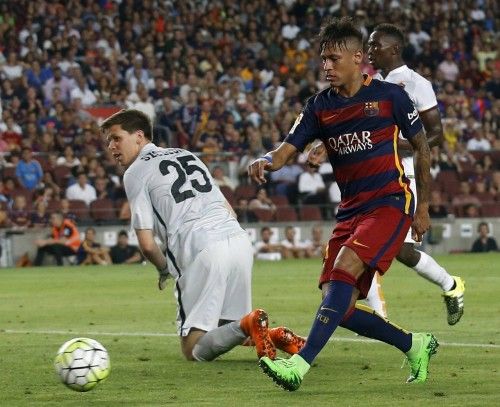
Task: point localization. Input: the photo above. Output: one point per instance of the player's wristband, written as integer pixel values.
(267, 158)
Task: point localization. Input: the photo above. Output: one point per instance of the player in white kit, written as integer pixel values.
(204, 249)
(384, 52)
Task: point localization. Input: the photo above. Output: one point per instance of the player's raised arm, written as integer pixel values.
(271, 161)
(421, 220)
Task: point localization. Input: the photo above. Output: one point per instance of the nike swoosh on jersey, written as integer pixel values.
(355, 241)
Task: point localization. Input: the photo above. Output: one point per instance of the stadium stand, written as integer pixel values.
(228, 71)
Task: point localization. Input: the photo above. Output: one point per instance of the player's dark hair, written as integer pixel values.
(122, 233)
(392, 31)
(130, 120)
(337, 32)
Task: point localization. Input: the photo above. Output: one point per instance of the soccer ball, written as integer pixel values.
(81, 363)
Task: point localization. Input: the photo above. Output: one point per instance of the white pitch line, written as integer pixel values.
(168, 335)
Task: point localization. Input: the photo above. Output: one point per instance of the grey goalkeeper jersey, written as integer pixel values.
(171, 191)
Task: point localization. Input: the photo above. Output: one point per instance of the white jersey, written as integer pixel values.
(171, 191)
(420, 92)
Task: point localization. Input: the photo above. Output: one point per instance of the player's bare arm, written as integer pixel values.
(421, 158)
(431, 119)
(153, 253)
(272, 161)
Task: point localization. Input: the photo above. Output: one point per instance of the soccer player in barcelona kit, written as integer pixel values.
(384, 52)
(358, 119)
(173, 197)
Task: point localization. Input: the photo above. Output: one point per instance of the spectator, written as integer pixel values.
(28, 171)
(64, 240)
(5, 222)
(243, 214)
(284, 181)
(311, 187)
(83, 92)
(11, 134)
(471, 211)
(262, 201)
(141, 101)
(211, 140)
(81, 190)
(67, 212)
(484, 243)
(436, 208)
(221, 179)
(479, 142)
(19, 213)
(12, 69)
(39, 218)
(316, 247)
(91, 252)
(68, 159)
(265, 248)
(57, 88)
(448, 68)
(464, 198)
(124, 253)
(104, 188)
(292, 247)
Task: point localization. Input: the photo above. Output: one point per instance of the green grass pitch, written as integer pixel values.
(121, 307)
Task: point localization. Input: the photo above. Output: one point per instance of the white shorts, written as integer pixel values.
(216, 285)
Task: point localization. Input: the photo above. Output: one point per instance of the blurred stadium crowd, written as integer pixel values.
(225, 79)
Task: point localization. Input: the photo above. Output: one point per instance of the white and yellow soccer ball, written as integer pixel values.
(82, 363)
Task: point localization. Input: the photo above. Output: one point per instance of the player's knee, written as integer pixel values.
(408, 255)
(187, 351)
(349, 262)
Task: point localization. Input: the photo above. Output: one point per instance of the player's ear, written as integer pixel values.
(139, 136)
(358, 56)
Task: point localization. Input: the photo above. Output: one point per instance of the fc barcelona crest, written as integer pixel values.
(371, 109)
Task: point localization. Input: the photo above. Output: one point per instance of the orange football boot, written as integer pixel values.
(287, 341)
(255, 325)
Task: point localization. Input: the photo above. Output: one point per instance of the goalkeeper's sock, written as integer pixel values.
(330, 313)
(365, 321)
(218, 341)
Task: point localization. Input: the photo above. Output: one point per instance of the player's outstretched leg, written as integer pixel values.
(255, 325)
(288, 373)
(418, 347)
(453, 287)
(286, 340)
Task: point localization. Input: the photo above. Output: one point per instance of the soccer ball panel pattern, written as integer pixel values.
(81, 363)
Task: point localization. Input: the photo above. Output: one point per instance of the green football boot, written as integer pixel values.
(423, 346)
(286, 373)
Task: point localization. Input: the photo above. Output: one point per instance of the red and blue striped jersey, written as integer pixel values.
(360, 134)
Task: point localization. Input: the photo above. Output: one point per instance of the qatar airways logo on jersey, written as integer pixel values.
(351, 142)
